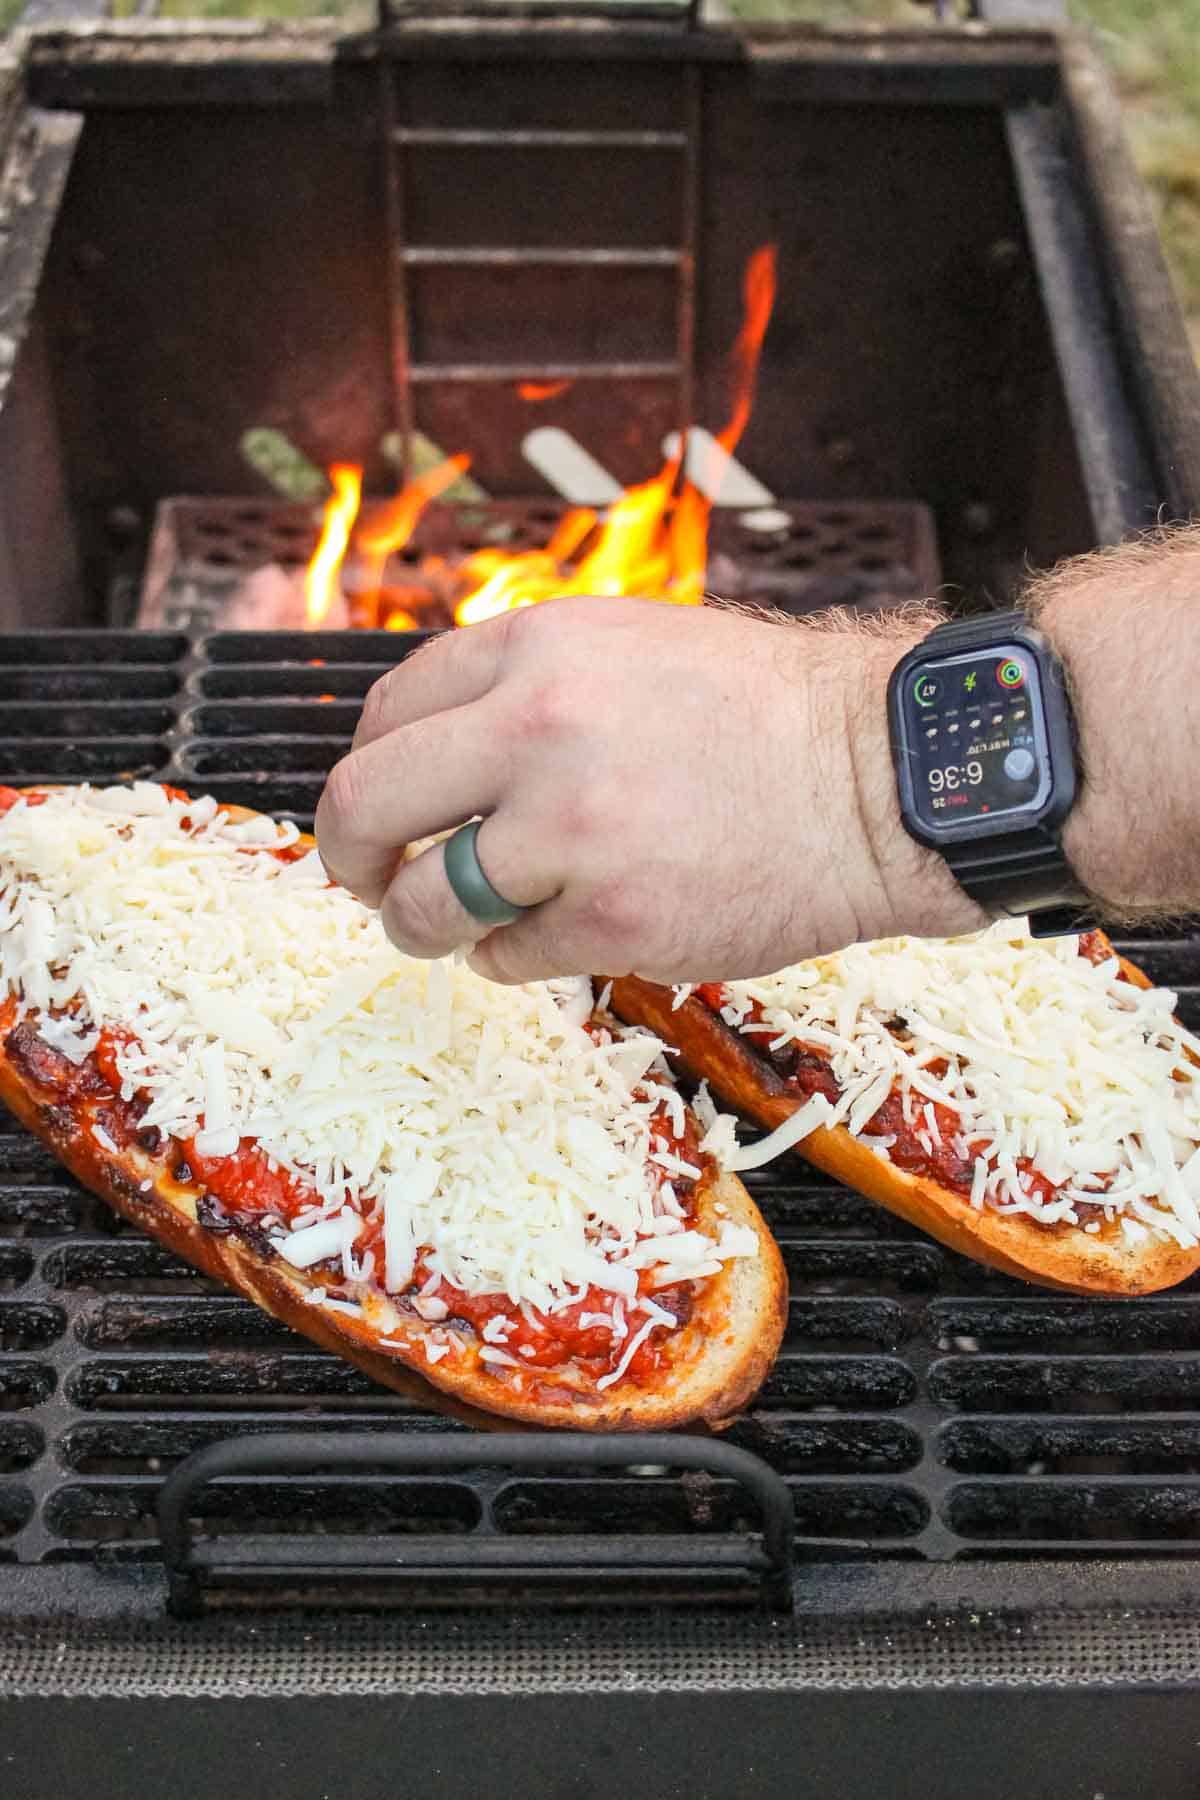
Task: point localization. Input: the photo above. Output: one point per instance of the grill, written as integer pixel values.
(924, 1413)
(951, 1483)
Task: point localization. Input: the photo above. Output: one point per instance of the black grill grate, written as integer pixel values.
(923, 1410)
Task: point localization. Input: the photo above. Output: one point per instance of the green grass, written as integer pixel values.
(1154, 49)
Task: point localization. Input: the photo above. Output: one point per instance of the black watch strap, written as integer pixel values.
(1027, 874)
(1021, 876)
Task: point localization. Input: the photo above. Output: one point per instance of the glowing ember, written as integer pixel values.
(652, 541)
(536, 391)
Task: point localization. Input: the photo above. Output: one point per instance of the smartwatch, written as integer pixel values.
(983, 744)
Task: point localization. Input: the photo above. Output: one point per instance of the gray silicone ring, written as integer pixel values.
(472, 889)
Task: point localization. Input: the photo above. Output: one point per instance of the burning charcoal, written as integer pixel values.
(411, 598)
(272, 599)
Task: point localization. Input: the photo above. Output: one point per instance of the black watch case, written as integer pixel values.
(982, 736)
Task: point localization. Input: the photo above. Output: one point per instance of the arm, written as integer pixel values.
(688, 792)
(1126, 623)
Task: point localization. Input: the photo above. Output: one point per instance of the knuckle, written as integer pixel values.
(342, 799)
(495, 960)
(517, 626)
(590, 815)
(513, 632)
(375, 706)
(410, 915)
(529, 630)
(617, 912)
(550, 709)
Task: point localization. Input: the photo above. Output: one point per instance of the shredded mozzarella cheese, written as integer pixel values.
(1050, 1060)
(480, 1123)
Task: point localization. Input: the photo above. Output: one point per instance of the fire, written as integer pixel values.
(652, 541)
(341, 510)
(395, 525)
(758, 295)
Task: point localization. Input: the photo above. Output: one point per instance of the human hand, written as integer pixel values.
(681, 792)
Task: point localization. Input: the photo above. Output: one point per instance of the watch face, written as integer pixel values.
(976, 737)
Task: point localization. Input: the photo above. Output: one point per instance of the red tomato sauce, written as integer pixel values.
(802, 1066)
(805, 1068)
(539, 1340)
(249, 1189)
(245, 1183)
(80, 1086)
(9, 797)
(1093, 948)
(941, 1162)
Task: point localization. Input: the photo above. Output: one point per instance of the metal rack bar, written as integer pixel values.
(533, 371)
(187, 1562)
(547, 138)
(401, 139)
(549, 256)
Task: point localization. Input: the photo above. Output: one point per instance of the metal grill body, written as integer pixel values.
(992, 1487)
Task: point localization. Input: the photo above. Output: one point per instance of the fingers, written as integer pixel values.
(420, 911)
(569, 935)
(425, 778)
(536, 948)
(450, 671)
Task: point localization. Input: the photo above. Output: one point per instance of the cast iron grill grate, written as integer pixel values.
(922, 1410)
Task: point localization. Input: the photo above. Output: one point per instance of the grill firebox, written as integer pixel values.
(923, 1411)
(796, 556)
(541, 233)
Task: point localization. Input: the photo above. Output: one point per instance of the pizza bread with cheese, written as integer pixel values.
(491, 1198)
(1032, 1103)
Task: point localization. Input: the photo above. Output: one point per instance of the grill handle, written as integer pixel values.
(442, 1453)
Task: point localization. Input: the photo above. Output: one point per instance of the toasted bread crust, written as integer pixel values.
(716, 1361)
(1059, 1256)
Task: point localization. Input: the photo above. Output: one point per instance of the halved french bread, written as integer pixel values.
(1105, 1260)
(704, 1369)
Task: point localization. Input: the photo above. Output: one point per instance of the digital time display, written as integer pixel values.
(977, 738)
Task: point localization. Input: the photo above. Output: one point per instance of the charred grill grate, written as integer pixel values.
(797, 555)
(923, 1410)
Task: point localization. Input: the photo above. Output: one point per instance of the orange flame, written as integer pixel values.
(758, 299)
(387, 532)
(393, 527)
(689, 522)
(341, 510)
(535, 391)
(652, 541)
